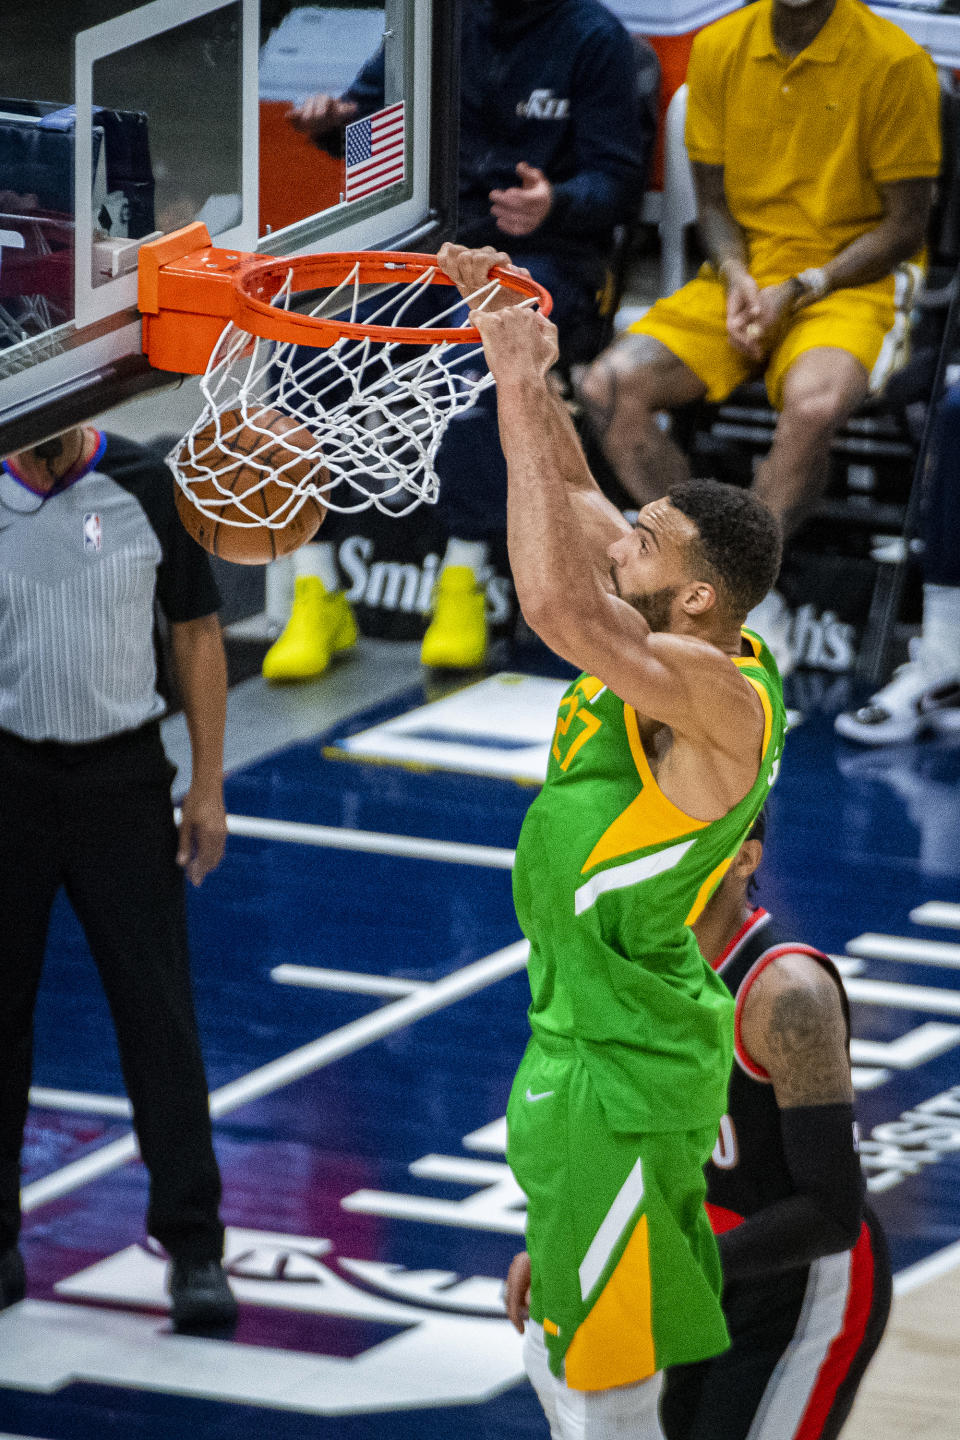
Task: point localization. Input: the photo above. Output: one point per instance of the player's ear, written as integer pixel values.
(747, 859)
(698, 597)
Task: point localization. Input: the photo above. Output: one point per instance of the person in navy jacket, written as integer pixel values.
(557, 122)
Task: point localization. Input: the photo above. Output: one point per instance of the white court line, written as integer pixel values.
(369, 1028)
(937, 912)
(371, 842)
(926, 1270)
(902, 947)
(846, 964)
(303, 1061)
(352, 982)
(79, 1172)
(867, 1077)
(918, 1046)
(904, 997)
(81, 1102)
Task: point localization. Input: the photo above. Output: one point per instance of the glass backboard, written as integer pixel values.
(120, 123)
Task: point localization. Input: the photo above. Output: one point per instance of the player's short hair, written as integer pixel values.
(758, 830)
(740, 539)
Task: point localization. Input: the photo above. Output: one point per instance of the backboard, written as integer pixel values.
(121, 122)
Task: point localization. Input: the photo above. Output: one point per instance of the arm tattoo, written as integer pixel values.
(800, 1039)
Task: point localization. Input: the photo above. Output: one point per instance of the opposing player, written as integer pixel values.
(663, 754)
(806, 1273)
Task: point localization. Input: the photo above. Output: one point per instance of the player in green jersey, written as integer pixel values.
(664, 752)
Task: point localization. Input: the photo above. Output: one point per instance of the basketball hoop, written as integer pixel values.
(372, 372)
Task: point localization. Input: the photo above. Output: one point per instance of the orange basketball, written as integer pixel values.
(248, 541)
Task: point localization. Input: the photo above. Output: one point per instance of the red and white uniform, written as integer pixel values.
(801, 1337)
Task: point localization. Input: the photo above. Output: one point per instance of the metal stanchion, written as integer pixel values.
(888, 595)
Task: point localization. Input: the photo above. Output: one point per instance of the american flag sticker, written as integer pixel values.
(375, 152)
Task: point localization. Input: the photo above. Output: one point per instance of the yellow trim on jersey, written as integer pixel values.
(764, 694)
(614, 1344)
(649, 819)
(590, 687)
(707, 889)
(652, 819)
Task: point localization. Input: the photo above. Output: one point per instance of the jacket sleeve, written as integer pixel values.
(366, 91)
(613, 116)
(368, 86)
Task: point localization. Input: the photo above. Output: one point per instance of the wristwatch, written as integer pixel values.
(813, 282)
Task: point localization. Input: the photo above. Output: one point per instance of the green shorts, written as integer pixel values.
(625, 1273)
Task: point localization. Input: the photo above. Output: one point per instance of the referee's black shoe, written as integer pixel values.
(200, 1297)
(13, 1277)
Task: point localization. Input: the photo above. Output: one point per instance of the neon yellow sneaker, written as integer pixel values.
(456, 637)
(321, 625)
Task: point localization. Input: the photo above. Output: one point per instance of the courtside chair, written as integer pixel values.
(679, 202)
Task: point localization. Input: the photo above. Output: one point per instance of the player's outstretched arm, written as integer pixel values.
(201, 672)
(600, 521)
(793, 1026)
(561, 530)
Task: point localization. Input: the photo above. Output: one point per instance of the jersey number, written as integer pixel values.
(726, 1151)
(575, 724)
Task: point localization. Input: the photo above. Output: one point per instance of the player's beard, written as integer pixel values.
(655, 606)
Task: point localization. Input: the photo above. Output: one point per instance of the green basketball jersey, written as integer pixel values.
(608, 878)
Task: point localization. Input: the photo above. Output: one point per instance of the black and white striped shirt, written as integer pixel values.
(81, 571)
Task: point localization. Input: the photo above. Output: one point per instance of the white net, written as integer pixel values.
(353, 425)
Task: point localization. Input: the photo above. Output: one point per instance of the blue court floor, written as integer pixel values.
(360, 988)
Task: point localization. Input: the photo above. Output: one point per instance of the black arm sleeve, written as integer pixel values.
(822, 1217)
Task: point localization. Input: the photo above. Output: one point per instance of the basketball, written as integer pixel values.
(229, 529)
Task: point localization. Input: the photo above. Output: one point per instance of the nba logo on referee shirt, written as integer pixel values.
(92, 532)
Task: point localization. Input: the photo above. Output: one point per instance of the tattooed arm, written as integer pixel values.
(794, 1026)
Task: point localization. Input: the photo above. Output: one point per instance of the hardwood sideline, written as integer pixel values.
(911, 1387)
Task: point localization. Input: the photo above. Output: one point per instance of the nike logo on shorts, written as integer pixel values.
(541, 1096)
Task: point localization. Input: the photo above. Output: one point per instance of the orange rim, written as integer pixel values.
(258, 281)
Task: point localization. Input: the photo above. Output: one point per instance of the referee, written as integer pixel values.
(90, 545)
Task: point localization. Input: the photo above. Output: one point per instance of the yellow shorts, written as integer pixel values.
(692, 324)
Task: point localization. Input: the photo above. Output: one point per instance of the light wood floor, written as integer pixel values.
(912, 1388)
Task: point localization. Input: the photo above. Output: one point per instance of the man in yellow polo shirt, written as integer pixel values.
(813, 130)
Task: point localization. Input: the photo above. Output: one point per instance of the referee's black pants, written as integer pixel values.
(97, 819)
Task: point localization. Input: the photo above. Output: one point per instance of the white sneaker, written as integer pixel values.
(917, 701)
(773, 622)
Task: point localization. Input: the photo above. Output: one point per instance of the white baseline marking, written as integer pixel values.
(903, 997)
(81, 1102)
(918, 1046)
(79, 1172)
(846, 964)
(902, 947)
(303, 1061)
(492, 1137)
(926, 1270)
(937, 912)
(370, 842)
(353, 982)
(498, 1205)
